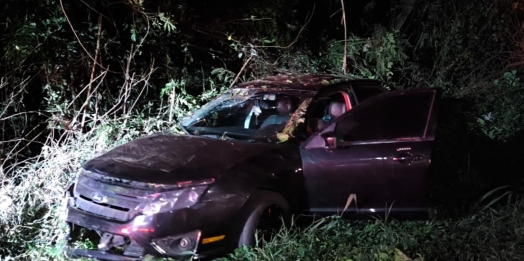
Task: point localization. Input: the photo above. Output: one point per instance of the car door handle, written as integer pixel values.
(408, 158)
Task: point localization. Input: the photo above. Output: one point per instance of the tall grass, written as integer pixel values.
(32, 207)
(491, 234)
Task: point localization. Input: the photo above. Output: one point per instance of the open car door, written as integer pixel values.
(379, 152)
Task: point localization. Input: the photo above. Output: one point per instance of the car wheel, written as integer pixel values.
(262, 216)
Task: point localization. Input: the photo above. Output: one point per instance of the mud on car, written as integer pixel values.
(262, 151)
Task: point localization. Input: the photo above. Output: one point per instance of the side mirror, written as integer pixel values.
(331, 142)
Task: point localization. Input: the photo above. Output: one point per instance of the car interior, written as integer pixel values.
(270, 109)
(326, 109)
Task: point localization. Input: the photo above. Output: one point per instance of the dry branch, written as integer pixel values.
(344, 59)
(74, 32)
(308, 19)
(93, 69)
(241, 70)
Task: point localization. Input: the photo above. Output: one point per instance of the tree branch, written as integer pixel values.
(344, 59)
(308, 19)
(93, 68)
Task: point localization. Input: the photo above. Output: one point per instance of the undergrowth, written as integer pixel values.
(492, 234)
(32, 221)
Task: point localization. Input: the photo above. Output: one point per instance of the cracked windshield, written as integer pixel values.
(240, 115)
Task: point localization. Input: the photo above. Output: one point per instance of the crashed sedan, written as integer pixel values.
(265, 149)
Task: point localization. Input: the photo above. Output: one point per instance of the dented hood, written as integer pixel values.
(168, 158)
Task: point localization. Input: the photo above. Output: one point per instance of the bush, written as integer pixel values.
(32, 221)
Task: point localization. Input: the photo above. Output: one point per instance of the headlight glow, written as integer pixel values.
(171, 200)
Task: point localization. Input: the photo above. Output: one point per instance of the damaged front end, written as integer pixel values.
(127, 220)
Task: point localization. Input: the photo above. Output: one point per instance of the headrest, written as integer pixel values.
(336, 108)
(284, 105)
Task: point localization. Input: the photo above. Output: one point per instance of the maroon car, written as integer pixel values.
(312, 144)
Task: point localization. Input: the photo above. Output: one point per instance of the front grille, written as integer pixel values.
(105, 205)
(113, 201)
(130, 183)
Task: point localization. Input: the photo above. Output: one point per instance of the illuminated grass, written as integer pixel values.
(493, 234)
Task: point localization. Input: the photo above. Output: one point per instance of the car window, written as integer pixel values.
(245, 112)
(389, 117)
(325, 109)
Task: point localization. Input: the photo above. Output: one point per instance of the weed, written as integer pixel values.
(466, 238)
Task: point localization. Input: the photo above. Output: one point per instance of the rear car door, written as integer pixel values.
(382, 155)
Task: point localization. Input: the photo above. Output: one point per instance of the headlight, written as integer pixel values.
(171, 200)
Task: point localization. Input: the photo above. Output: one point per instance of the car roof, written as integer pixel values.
(306, 82)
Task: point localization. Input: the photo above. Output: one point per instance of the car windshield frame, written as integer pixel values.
(240, 102)
(241, 95)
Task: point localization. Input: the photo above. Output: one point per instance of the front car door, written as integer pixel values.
(382, 154)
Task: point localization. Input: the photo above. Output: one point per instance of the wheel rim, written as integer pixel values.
(269, 223)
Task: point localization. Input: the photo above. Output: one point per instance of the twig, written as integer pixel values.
(128, 84)
(296, 38)
(17, 143)
(85, 88)
(146, 83)
(246, 19)
(336, 12)
(3, 82)
(16, 114)
(76, 36)
(14, 165)
(128, 79)
(19, 140)
(344, 59)
(242, 69)
(97, 52)
(104, 73)
(172, 104)
(513, 65)
(94, 10)
(349, 200)
(80, 42)
(13, 95)
(114, 106)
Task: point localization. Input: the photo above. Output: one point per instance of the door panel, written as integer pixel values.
(385, 152)
(410, 163)
(332, 175)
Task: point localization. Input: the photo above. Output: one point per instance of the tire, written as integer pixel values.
(261, 207)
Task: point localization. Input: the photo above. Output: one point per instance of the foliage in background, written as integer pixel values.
(379, 56)
(500, 105)
(467, 48)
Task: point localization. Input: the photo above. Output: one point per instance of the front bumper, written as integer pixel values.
(101, 255)
(156, 235)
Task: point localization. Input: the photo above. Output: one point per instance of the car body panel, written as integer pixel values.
(169, 158)
(332, 175)
(383, 173)
(315, 172)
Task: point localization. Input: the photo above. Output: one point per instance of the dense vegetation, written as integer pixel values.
(78, 77)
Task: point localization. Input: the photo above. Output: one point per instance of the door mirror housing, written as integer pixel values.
(331, 142)
(326, 138)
